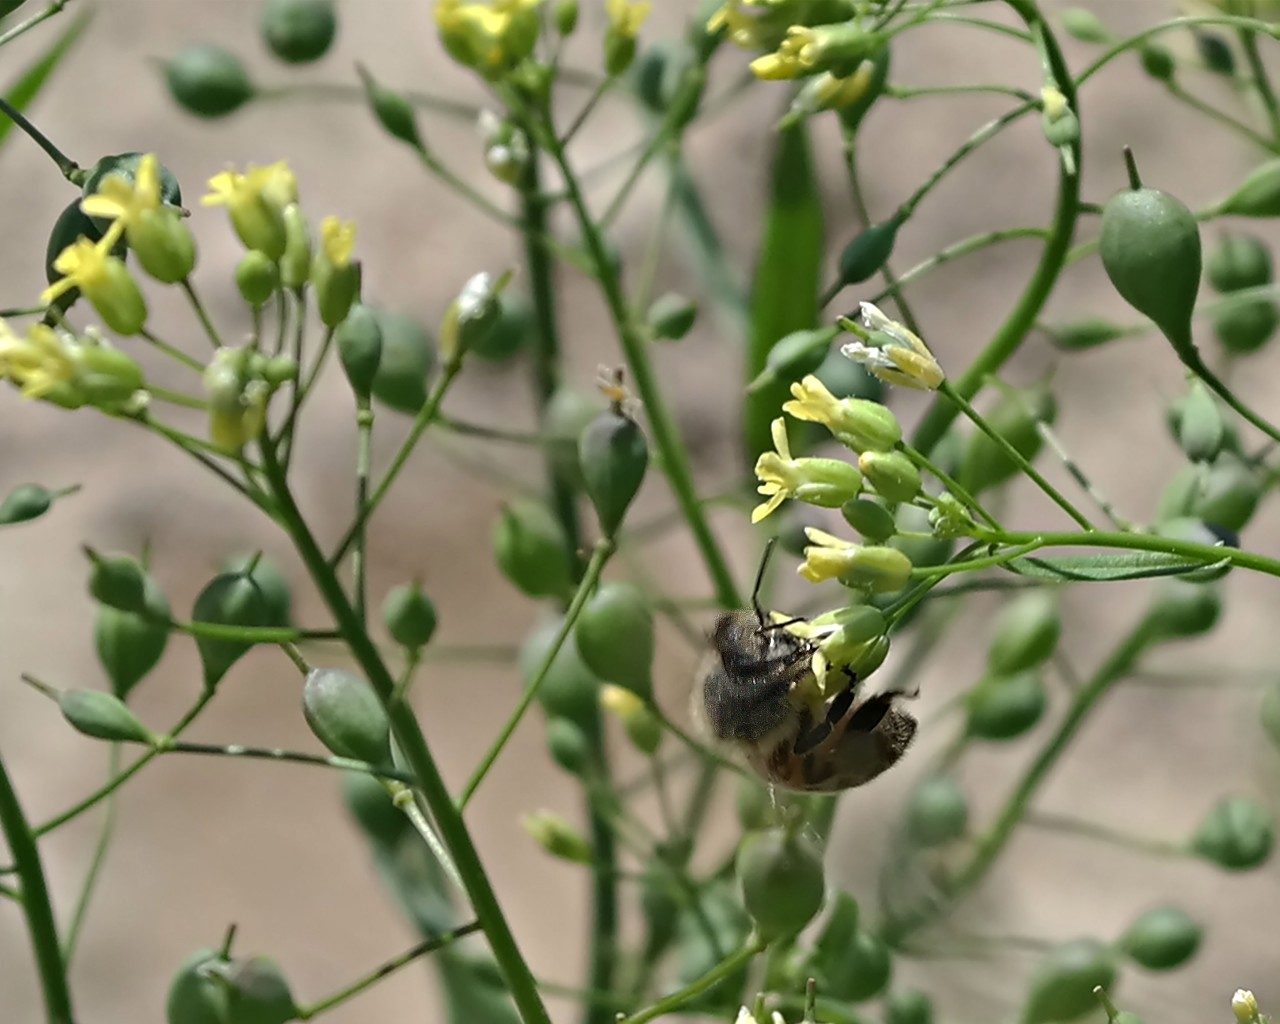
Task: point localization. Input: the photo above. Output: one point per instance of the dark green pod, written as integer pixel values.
(671, 316)
(869, 518)
(1157, 61)
(1244, 327)
(1258, 195)
(1150, 249)
(868, 251)
(1237, 834)
(1003, 708)
(407, 355)
(1079, 335)
(1063, 983)
(1200, 428)
(793, 356)
(359, 341)
(615, 637)
(849, 964)
(195, 995)
(299, 31)
(780, 877)
(1162, 939)
(1026, 634)
(208, 81)
(1182, 610)
(937, 812)
(410, 616)
(1215, 52)
(102, 716)
(130, 645)
(1238, 261)
(231, 599)
(509, 333)
(24, 503)
(569, 746)
(259, 993)
(613, 455)
(346, 715)
(269, 581)
(569, 689)
(118, 581)
(1229, 493)
(392, 111)
(531, 549)
(908, 1006)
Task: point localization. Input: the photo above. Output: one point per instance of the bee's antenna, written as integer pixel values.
(755, 590)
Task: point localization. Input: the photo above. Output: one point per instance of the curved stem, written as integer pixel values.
(1262, 85)
(35, 904)
(964, 247)
(1011, 333)
(66, 165)
(417, 754)
(95, 866)
(695, 988)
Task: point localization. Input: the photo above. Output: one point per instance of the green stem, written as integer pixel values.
(1223, 118)
(54, 7)
(946, 389)
(95, 865)
(426, 416)
(666, 436)
(1262, 84)
(911, 92)
(1136, 40)
(1091, 830)
(964, 247)
(950, 483)
(172, 351)
(1022, 318)
(346, 764)
(35, 904)
(417, 755)
(603, 550)
(68, 167)
(680, 997)
(972, 564)
(390, 967)
(364, 443)
(202, 314)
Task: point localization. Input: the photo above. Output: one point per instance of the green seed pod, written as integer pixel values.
(1244, 327)
(937, 812)
(1026, 634)
(1063, 982)
(1215, 52)
(1237, 262)
(558, 837)
(392, 111)
(24, 503)
(208, 81)
(1084, 25)
(269, 581)
(509, 333)
(868, 252)
(1200, 428)
(1150, 249)
(1084, 334)
(1257, 196)
(569, 690)
(1157, 61)
(570, 748)
(299, 31)
(754, 807)
(102, 716)
(1162, 939)
(793, 356)
(359, 341)
(195, 996)
(1229, 493)
(1184, 610)
(232, 599)
(1270, 713)
(660, 906)
(780, 877)
(615, 637)
(370, 804)
(892, 474)
(908, 1006)
(869, 518)
(406, 358)
(1237, 834)
(259, 993)
(1014, 418)
(849, 964)
(566, 16)
(410, 616)
(671, 316)
(1003, 708)
(130, 645)
(614, 456)
(257, 277)
(532, 550)
(118, 581)
(346, 715)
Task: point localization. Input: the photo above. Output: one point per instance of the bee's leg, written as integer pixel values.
(838, 708)
(872, 713)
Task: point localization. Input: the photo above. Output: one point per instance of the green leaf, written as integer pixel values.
(787, 279)
(1130, 565)
(26, 88)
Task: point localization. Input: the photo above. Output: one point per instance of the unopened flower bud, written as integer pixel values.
(641, 725)
(471, 315)
(614, 456)
(558, 837)
(857, 423)
(878, 570)
(163, 244)
(410, 616)
(334, 274)
(392, 111)
(869, 518)
(359, 341)
(257, 277)
(295, 264)
(1244, 1005)
(208, 81)
(892, 474)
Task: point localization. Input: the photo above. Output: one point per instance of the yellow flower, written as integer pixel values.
(491, 37)
(806, 50)
(39, 364)
(790, 60)
(256, 201)
(855, 422)
(828, 483)
(125, 202)
(892, 352)
(105, 282)
(156, 233)
(52, 365)
(878, 570)
(626, 16)
(338, 239)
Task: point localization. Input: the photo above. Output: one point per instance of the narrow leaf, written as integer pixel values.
(26, 88)
(1131, 565)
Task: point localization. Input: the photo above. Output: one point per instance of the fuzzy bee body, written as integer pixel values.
(752, 698)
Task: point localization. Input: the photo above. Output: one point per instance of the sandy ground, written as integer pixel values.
(203, 843)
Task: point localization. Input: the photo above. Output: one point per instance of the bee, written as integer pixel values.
(752, 698)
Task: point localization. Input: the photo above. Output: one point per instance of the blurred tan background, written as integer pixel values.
(206, 842)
